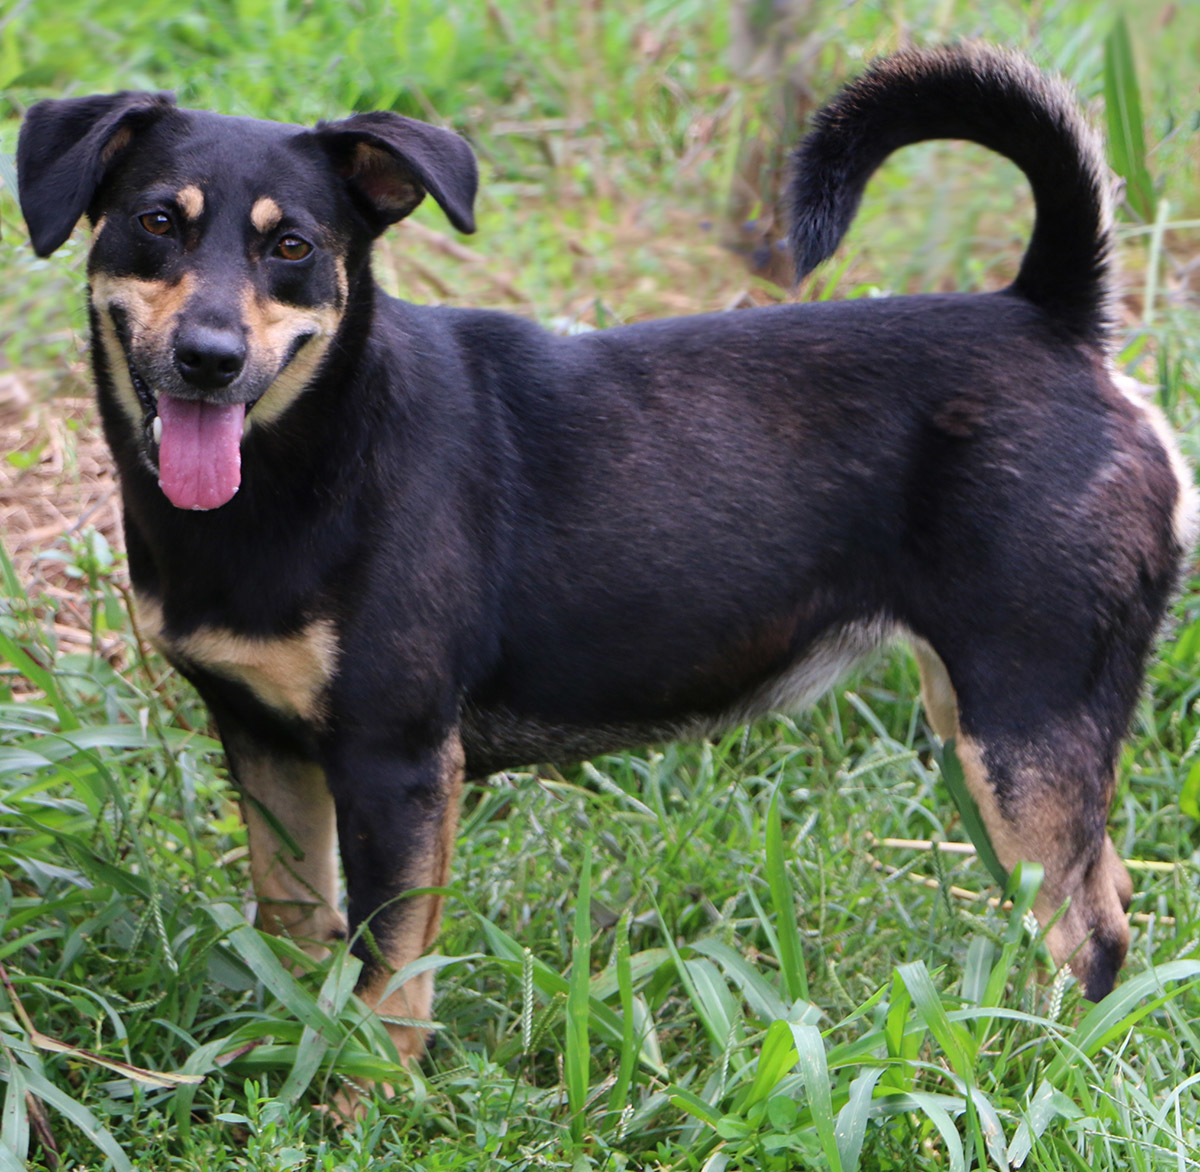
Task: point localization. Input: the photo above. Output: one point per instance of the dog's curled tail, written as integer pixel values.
(992, 97)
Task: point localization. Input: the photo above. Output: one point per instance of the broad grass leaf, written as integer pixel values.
(267, 967)
(14, 1127)
(759, 993)
(1123, 1008)
(775, 1059)
(1123, 106)
(1044, 1107)
(810, 1047)
(79, 1115)
(850, 1128)
(958, 1048)
(335, 993)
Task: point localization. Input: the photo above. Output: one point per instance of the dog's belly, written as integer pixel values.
(498, 736)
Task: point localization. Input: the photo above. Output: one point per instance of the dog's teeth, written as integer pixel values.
(156, 429)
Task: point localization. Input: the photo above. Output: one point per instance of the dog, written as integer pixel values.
(394, 545)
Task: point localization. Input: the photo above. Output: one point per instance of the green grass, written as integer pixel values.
(700, 957)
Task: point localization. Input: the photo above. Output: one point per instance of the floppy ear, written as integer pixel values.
(392, 161)
(64, 148)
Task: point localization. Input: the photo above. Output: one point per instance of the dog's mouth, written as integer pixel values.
(194, 445)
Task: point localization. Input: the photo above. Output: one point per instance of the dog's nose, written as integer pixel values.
(209, 358)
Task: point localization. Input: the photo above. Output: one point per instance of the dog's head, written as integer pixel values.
(223, 255)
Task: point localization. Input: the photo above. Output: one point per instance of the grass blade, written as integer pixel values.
(956, 783)
(79, 1115)
(777, 1057)
(10, 1161)
(629, 1047)
(758, 991)
(335, 993)
(791, 957)
(851, 1127)
(41, 678)
(14, 1130)
(933, 1013)
(719, 1036)
(810, 1047)
(1123, 107)
(268, 968)
(1117, 1013)
(577, 1057)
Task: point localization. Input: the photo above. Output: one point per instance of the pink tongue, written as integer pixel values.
(200, 453)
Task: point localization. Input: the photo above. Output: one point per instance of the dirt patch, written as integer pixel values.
(56, 484)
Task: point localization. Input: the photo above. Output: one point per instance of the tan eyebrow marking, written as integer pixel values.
(265, 214)
(191, 201)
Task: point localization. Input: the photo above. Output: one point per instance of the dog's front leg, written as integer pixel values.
(397, 816)
(292, 834)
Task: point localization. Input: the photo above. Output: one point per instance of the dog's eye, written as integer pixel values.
(292, 248)
(156, 223)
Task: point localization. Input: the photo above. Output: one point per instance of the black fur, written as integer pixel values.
(1003, 103)
(550, 547)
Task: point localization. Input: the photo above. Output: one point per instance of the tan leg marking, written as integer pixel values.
(1097, 884)
(1041, 831)
(419, 927)
(296, 884)
(937, 692)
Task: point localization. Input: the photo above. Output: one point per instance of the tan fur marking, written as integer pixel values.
(149, 616)
(1098, 886)
(288, 673)
(297, 894)
(421, 922)
(1186, 518)
(118, 370)
(191, 201)
(151, 307)
(265, 214)
(273, 329)
(937, 692)
(119, 141)
(375, 170)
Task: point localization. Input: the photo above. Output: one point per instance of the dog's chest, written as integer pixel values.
(288, 673)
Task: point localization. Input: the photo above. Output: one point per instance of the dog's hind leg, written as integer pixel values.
(1041, 772)
(292, 831)
(397, 823)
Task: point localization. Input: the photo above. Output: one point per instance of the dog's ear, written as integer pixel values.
(63, 151)
(392, 161)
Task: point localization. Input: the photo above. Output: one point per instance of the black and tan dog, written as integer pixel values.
(391, 544)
